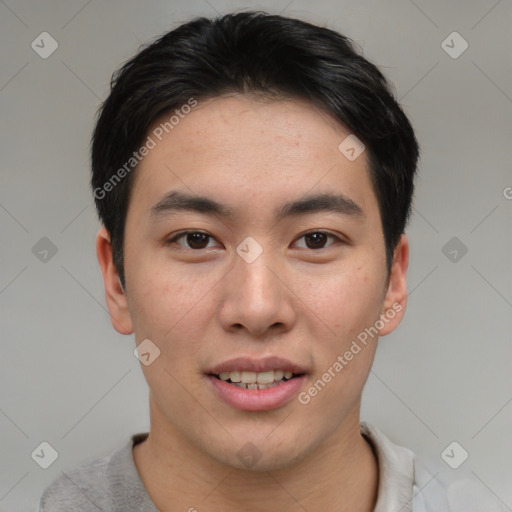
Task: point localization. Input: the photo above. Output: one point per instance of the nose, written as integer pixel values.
(257, 298)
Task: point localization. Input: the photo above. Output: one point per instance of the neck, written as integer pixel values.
(341, 474)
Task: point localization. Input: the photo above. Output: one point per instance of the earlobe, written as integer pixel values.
(114, 293)
(395, 301)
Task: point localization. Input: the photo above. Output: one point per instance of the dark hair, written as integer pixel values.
(252, 52)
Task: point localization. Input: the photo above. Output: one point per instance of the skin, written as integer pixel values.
(205, 306)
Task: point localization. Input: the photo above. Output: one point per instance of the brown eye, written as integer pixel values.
(318, 239)
(194, 239)
(197, 240)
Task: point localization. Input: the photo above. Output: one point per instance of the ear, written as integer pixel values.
(395, 300)
(114, 294)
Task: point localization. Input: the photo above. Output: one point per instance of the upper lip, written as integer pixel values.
(251, 364)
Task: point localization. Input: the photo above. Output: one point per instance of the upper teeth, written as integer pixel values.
(254, 377)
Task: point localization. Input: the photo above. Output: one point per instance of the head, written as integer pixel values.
(236, 129)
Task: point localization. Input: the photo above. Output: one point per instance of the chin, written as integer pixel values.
(262, 454)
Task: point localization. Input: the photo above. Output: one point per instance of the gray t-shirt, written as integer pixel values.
(112, 484)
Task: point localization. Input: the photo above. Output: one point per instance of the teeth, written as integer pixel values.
(265, 377)
(248, 377)
(244, 377)
(235, 376)
(255, 386)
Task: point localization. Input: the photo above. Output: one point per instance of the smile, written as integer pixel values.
(251, 396)
(256, 380)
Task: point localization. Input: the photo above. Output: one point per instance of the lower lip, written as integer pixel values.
(257, 399)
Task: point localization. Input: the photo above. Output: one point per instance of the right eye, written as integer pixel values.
(196, 240)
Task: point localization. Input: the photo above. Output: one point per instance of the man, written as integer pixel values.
(254, 176)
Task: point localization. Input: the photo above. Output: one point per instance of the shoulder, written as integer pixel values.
(443, 490)
(83, 488)
(426, 485)
(102, 484)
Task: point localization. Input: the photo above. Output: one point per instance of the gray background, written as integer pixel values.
(69, 379)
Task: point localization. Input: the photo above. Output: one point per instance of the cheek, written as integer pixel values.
(170, 310)
(348, 305)
(348, 300)
(165, 303)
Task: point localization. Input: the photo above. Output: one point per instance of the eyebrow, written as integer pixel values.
(176, 201)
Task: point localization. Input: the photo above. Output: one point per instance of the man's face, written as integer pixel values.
(211, 297)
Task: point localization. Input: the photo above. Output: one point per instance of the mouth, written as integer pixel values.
(250, 384)
(256, 380)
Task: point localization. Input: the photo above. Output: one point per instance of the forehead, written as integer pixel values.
(240, 147)
(285, 128)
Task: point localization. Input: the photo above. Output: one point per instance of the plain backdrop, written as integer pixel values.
(68, 379)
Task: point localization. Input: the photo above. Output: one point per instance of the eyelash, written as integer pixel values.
(182, 234)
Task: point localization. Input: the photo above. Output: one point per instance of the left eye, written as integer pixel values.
(199, 240)
(317, 239)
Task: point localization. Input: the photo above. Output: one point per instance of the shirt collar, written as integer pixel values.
(396, 471)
